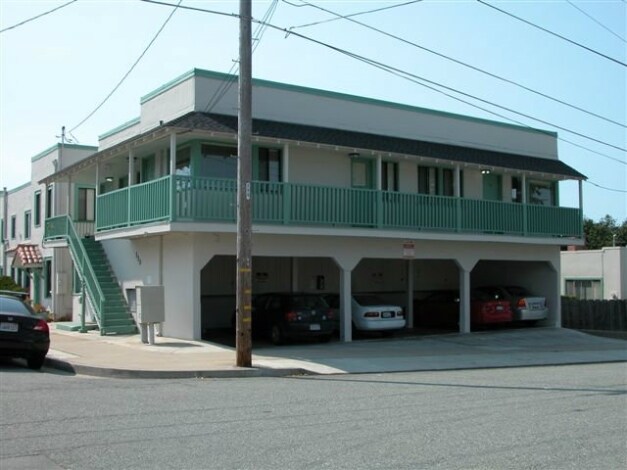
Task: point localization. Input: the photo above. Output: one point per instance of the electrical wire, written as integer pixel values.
(225, 86)
(405, 75)
(459, 62)
(38, 16)
(548, 31)
(596, 21)
(340, 17)
(606, 188)
(115, 88)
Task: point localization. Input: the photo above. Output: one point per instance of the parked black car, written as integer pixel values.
(23, 334)
(285, 316)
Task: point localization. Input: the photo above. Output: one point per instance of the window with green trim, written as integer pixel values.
(541, 193)
(584, 289)
(37, 208)
(86, 205)
(269, 164)
(389, 176)
(218, 161)
(49, 202)
(13, 226)
(27, 224)
(438, 181)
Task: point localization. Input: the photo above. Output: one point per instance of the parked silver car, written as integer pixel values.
(525, 306)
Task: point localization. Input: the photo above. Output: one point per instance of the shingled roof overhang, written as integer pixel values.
(379, 143)
(262, 128)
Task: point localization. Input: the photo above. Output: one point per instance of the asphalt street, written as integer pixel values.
(564, 417)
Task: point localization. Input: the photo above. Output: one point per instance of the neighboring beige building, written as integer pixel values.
(595, 274)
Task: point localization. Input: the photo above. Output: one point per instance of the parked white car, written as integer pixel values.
(370, 313)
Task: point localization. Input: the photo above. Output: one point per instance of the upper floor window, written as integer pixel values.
(13, 226)
(86, 205)
(541, 193)
(269, 164)
(389, 176)
(49, 202)
(27, 223)
(437, 181)
(184, 162)
(37, 209)
(218, 161)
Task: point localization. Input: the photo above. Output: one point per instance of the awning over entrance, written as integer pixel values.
(27, 256)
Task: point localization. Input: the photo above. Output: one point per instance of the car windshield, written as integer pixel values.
(14, 306)
(308, 302)
(518, 291)
(487, 293)
(369, 300)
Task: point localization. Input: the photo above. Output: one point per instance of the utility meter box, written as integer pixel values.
(150, 307)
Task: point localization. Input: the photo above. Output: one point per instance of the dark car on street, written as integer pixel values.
(23, 334)
(284, 316)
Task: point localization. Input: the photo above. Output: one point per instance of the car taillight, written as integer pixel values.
(521, 303)
(291, 316)
(331, 314)
(41, 325)
(371, 315)
(400, 314)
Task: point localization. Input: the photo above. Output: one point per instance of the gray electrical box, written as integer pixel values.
(150, 307)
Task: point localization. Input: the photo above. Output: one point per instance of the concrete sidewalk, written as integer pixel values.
(125, 356)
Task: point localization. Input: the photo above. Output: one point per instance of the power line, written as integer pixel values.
(402, 74)
(606, 188)
(472, 67)
(596, 21)
(226, 85)
(38, 16)
(340, 17)
(589, 49)
(131, 69)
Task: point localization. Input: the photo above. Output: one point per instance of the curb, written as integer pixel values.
(92, 371)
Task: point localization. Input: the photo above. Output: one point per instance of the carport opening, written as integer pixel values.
(270, 275)
(537, 278)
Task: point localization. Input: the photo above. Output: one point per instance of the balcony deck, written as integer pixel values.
(193, 199)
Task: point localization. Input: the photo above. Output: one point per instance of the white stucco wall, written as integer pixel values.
(185, 255)
(319, 108)
(168, 105)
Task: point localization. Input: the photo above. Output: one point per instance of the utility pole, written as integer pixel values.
(243, 340)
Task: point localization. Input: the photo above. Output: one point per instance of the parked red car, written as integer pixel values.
(441, 309)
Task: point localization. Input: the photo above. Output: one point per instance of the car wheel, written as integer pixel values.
(36, 362)
(324, 338)
(276, 335)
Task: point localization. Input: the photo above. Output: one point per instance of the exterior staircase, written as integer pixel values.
(115, 316)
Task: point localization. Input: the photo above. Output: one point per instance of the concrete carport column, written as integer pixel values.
(465, 267)
(346, 264)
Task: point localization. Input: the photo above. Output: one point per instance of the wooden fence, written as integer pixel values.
(608, 315)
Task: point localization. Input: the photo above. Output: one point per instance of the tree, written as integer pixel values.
(600, 234)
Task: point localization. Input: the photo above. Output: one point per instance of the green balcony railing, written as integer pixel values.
(184, 198)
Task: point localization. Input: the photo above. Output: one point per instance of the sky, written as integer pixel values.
(56, 70)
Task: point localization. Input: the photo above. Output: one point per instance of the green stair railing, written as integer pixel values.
(61, 227)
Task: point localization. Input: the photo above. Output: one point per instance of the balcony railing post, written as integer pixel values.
(379, 206)
(287, 203)
(458, 214)
(525, 219)
(172, 197)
